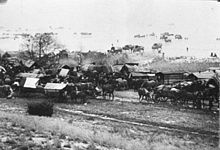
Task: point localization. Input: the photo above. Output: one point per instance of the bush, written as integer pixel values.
(40, 108)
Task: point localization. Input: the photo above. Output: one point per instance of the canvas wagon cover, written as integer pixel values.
(64, 72)
(30, 75)
(55, 86)
(29, 82)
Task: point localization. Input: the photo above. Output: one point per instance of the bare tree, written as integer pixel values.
(35, 47)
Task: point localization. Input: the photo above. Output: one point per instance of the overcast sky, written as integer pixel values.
(112, 15)
(118, 18)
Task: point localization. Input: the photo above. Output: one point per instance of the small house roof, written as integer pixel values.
(130, 68)
(214, 68)
(203, 75)
(138, 74)
(60, 66)
(29, 63)
(30, 75)
(86, 67)
(132, 64)
(169, 73)
(14, 61)
(100, 68)
(143, 69)
(117, 68)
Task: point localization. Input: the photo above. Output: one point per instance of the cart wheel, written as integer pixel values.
(163, 99)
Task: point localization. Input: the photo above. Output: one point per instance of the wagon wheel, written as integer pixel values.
(163, 99)
(155, 99)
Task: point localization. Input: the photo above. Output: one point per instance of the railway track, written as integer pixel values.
(160, 126)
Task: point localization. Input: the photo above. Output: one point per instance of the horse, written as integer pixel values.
(211, 92)
(108, 89)
(144, 94)
(76, 95)
(161, 92)
(149, 84)
(136, 83)
(121, 84)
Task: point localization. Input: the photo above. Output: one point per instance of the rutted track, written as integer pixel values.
(124, 120)
(160, 126)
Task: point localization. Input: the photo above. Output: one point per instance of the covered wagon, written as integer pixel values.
(57, 90)
(28, 86)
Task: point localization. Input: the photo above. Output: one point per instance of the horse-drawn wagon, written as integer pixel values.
(56, 90)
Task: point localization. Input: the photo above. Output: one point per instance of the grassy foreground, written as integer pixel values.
(159, 140)
(76, 132)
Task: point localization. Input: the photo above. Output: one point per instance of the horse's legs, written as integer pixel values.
(109, 95)
(199, 104)
(203, 102)
(210, 103)
(103, 95)
(140, 98)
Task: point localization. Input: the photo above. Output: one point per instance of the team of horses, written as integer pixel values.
(186, 93)
(193, 92)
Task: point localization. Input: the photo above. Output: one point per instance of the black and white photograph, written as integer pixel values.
(109, 74)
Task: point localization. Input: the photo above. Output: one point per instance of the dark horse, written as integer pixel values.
(108, 89)
(144, 94)
(76, 95)
(108, 85)
(212, 91)
(149, 85)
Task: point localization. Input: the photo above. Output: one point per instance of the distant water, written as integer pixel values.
(196, 47)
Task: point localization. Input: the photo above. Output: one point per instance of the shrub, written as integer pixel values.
(40, 108)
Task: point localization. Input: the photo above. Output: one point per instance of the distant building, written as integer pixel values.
(170, 77)
(213, 69)
(200, 75)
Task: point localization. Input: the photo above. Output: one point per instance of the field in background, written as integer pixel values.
(156, 62)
